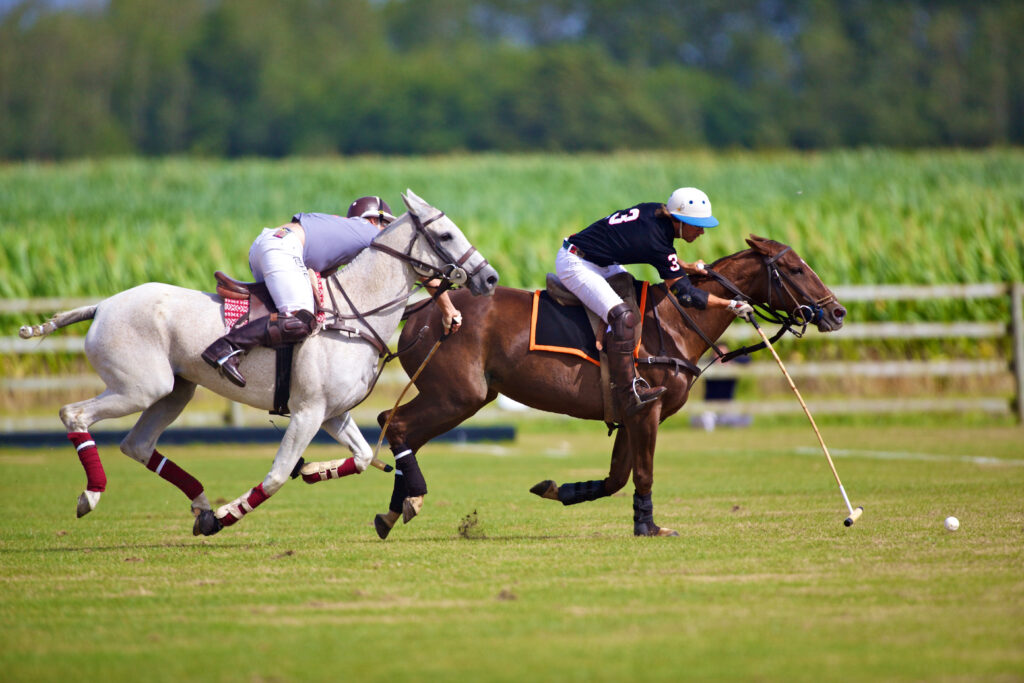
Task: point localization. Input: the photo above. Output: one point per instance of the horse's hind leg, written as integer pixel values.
(140, 443)
(584, 491)
(79, 417)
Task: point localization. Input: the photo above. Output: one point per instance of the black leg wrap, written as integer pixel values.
(643, 516)
(398, 494)
(581, 491)
(415, 484)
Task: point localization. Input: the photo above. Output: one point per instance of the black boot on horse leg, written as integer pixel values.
(415, 484)
(570, 494)
(384, 523)
(276, 329)
(631, 392)
(643, 518)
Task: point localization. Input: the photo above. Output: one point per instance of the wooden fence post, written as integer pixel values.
(1017, 325)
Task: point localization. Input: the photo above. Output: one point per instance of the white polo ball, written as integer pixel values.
(951, 523)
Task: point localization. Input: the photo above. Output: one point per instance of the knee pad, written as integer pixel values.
(289, 328)
(623, 321)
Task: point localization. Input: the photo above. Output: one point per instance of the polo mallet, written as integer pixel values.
(855, 513)
(379, 463)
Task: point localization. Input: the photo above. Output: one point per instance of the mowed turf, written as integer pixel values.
(492, 583)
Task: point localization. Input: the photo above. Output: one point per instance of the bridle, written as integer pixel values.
(804, 314)
(795, 321)
(453, 272)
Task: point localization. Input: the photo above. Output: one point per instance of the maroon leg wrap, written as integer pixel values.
(257, 496)
(90, 457)
(168, 470)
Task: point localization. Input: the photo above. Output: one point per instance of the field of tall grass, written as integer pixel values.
(92, 228)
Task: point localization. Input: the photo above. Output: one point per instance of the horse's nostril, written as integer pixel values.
(839, 314)
(492, 280)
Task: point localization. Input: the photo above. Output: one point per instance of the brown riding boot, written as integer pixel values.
(276, 329)
(630, 391)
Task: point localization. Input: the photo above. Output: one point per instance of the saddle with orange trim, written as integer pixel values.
(560, 323)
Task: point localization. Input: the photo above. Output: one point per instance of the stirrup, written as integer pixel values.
(225, 359)
(636, 394)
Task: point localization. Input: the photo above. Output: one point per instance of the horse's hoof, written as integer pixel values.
(206, 524)
(87, 502)
(297, 470)
(652, 529)
(383, 527)
(411, 507)
(546, 489)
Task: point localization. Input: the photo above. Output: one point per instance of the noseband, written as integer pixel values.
(452, 272)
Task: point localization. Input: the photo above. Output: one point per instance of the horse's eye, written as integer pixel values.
(796, 271)
(445, 236)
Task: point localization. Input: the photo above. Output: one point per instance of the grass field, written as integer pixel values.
(764, 582)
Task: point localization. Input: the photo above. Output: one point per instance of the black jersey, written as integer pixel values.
(633, 235)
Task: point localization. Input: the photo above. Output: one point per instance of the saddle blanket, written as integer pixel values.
(566, 329)
(236, 309)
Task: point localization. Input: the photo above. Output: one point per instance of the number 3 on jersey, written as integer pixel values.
(673, 262)
(630, 215)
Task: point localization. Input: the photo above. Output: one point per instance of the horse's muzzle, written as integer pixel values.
(831, 317)
(484, 281)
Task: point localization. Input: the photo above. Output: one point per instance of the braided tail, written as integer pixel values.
(58, 321)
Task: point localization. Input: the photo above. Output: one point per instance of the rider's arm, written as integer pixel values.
(689, 295)
(451, 317)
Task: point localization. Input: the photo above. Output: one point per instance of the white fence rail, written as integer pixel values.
(737, 334)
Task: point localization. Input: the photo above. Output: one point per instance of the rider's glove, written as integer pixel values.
(741, 309)
(453, 323)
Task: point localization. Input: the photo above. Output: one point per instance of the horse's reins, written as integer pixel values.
(788, 320)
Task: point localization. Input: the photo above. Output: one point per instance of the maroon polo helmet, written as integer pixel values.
(371, 207)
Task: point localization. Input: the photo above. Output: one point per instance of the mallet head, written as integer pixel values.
(854, 516)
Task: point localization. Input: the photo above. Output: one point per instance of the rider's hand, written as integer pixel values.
(452, 322)
(741, 309)
(697, 268)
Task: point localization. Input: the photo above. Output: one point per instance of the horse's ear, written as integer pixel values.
(758, 243)
(413, 201)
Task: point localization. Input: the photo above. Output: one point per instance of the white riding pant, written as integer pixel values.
(278, 262)
(588, 281)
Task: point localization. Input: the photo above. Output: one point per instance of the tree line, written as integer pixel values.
(270, 78)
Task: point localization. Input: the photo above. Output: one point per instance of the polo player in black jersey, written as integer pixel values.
(640, 234)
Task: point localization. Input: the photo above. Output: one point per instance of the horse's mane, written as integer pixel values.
(698, 280)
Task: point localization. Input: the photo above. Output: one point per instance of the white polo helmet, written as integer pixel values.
(690, 205)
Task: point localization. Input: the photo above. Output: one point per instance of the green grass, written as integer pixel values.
(764, 583)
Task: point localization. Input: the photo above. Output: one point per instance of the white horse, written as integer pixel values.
(145, 343)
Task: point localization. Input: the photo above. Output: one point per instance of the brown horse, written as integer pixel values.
(491, 356)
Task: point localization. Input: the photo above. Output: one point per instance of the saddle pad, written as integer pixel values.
(566, 329)
(234, 309)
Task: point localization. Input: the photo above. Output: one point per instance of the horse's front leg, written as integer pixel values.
(346, 432)
(303, 427)
(644, 432)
